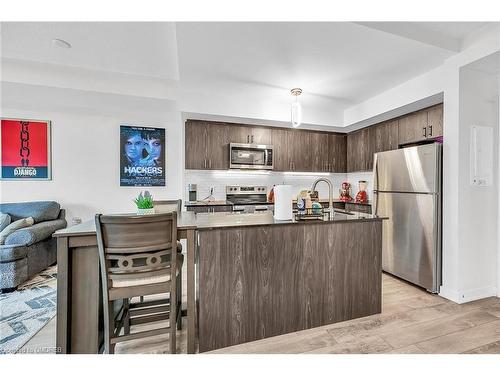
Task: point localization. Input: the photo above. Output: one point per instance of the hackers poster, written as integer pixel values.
(142, 159)
(25, 149)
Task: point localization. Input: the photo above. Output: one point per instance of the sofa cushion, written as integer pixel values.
(39, 211)
(12, 227)
(10, 253)
(4, 221)
(36, 233)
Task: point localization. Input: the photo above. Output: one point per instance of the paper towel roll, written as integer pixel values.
(283, 202)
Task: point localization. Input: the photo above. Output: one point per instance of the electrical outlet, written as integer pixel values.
(76, 220)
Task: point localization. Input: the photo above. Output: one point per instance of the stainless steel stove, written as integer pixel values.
(248, 198)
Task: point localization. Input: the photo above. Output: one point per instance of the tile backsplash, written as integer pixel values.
(218, 180)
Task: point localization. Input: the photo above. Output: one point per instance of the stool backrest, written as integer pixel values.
(132, 246)
(168, 206)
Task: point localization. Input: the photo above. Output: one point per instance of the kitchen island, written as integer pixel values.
(255, 277)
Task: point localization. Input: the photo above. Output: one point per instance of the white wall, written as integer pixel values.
(85, 147)
(478, 206)
(498, 181)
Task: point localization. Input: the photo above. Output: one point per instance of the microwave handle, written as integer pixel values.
(265, 156)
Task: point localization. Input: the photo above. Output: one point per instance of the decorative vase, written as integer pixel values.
(145, 211)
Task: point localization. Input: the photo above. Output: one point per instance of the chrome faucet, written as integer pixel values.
(330, 191)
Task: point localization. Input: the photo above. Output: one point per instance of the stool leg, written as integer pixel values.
(126, 316)
(109, 329)
(179, 301)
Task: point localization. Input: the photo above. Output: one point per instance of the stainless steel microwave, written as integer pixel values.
(250, 156)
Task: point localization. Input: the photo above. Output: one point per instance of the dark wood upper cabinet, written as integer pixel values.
(422, 125)
(352, 146)
(319, 152)
(279, 141)
(360, 147)
(299, 150)
(435, 121)
(196, 145)
(206, 145)
(217, 146)
(238, 134)
(386, 136)
(249, 134)
(413, 127)
(337, 153)
(260, 135)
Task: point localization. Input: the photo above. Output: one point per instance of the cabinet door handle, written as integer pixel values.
(209, 163)
(204, 163)
(425, 131)
(252, 138)
(430, 131)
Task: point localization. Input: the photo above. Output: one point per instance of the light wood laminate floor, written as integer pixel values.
(412, 321)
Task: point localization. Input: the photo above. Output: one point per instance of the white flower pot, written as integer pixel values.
(145, 211)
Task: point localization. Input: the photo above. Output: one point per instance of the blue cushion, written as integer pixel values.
(4, 221)
(35, 233)
(9, 253)
(39, 211)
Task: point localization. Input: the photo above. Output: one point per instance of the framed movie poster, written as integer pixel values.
(142, 156)
(25, 149)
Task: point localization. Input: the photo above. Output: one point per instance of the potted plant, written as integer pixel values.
(144, 203)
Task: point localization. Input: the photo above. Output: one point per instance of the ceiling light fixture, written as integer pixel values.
(61, 43)
(296, 108)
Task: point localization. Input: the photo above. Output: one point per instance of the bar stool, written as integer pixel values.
(137, 260)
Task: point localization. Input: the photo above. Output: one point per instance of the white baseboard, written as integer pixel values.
(468, 295)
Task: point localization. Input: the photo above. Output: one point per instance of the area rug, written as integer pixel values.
(27, 310)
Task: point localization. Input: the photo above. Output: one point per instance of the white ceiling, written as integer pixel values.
(141, 48)
(341, 63)
(446, 35)
(339, 60)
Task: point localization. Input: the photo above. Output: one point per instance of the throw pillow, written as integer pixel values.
(4, 221)
(12, 227)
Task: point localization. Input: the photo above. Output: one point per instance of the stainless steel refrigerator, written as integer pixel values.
(407, 190)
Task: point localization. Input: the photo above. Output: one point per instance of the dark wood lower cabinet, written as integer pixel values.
(258, 282)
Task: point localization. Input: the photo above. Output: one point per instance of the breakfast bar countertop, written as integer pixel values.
(190, 220)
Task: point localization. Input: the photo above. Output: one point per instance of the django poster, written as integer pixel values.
(142, 159)
(25, 149)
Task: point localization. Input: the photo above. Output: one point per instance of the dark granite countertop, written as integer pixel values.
(190, 220)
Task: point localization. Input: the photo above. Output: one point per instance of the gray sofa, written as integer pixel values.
(29, 250)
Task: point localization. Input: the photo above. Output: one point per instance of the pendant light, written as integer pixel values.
(296, 108)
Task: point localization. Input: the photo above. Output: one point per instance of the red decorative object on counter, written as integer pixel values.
(345, 192)
(362, 197)
(270, 196)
